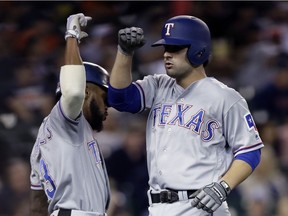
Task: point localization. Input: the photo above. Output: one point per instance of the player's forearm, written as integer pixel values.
(237, 173)
(72, 80)
(121, 76)
(72, 53)
(39, 212)
(38, 203)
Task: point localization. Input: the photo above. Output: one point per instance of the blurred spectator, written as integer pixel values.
(127, 167)
(112, 137)
(282, 206)
(14, 196)
(282, 135)
(28, 102)
(150, 61)
(222, 63)
(273, 97)
(249, 53)
(257, 207)
(256, 69)
(117, 205)
(261, 192)
(28, 98)
(101, 37)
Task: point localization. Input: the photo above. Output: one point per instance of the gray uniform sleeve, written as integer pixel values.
(152, 86)
(34, 175)
(240, 130)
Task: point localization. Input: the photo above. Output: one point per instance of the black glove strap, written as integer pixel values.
(225, 186)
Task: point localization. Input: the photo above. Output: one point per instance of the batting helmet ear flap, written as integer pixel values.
(96, 74)
(198, 56)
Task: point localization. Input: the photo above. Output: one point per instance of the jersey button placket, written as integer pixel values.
(164, 149)
(169, 130)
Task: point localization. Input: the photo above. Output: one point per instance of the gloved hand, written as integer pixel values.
(74, 24)
(130, 39)
(210, 197)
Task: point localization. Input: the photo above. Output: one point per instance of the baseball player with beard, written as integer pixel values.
(66, 162)
(201, 138)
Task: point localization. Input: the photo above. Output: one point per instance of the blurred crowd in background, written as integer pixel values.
(250, 54)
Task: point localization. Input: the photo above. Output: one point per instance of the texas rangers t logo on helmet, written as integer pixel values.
(168, 27)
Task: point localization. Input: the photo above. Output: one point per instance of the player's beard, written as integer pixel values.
(96, 120)
(178, 75)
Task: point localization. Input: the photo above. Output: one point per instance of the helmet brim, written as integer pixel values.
(172, 42)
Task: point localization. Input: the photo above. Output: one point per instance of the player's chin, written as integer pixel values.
(170, 73)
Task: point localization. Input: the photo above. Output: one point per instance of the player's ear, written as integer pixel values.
(87, 93)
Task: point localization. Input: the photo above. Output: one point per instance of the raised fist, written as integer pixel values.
(74, 24)
(130, 39)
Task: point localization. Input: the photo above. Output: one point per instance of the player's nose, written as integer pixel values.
(167, 56)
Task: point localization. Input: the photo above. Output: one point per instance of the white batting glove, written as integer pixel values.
(74, 24)
(210, 197)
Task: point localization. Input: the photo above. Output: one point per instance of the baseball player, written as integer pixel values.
(201, 138)
(66, 162)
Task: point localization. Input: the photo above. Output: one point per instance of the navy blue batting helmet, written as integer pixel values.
(94, 74)
(188, 31)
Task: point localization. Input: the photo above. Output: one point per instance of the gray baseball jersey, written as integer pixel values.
(193, 134)
(66, 162)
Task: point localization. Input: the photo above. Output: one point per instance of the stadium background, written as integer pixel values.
(250, 54)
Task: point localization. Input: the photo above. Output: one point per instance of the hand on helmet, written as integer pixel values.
(74, 24)
(130, 39)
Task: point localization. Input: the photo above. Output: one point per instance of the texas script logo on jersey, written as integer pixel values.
(162, 114)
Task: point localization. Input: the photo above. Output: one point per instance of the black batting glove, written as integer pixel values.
(210, 197)
(130, 39)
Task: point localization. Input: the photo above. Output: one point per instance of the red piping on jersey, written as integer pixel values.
(250, 147)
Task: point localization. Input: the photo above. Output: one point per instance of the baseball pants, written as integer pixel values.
(75, 213)
(184, 208)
